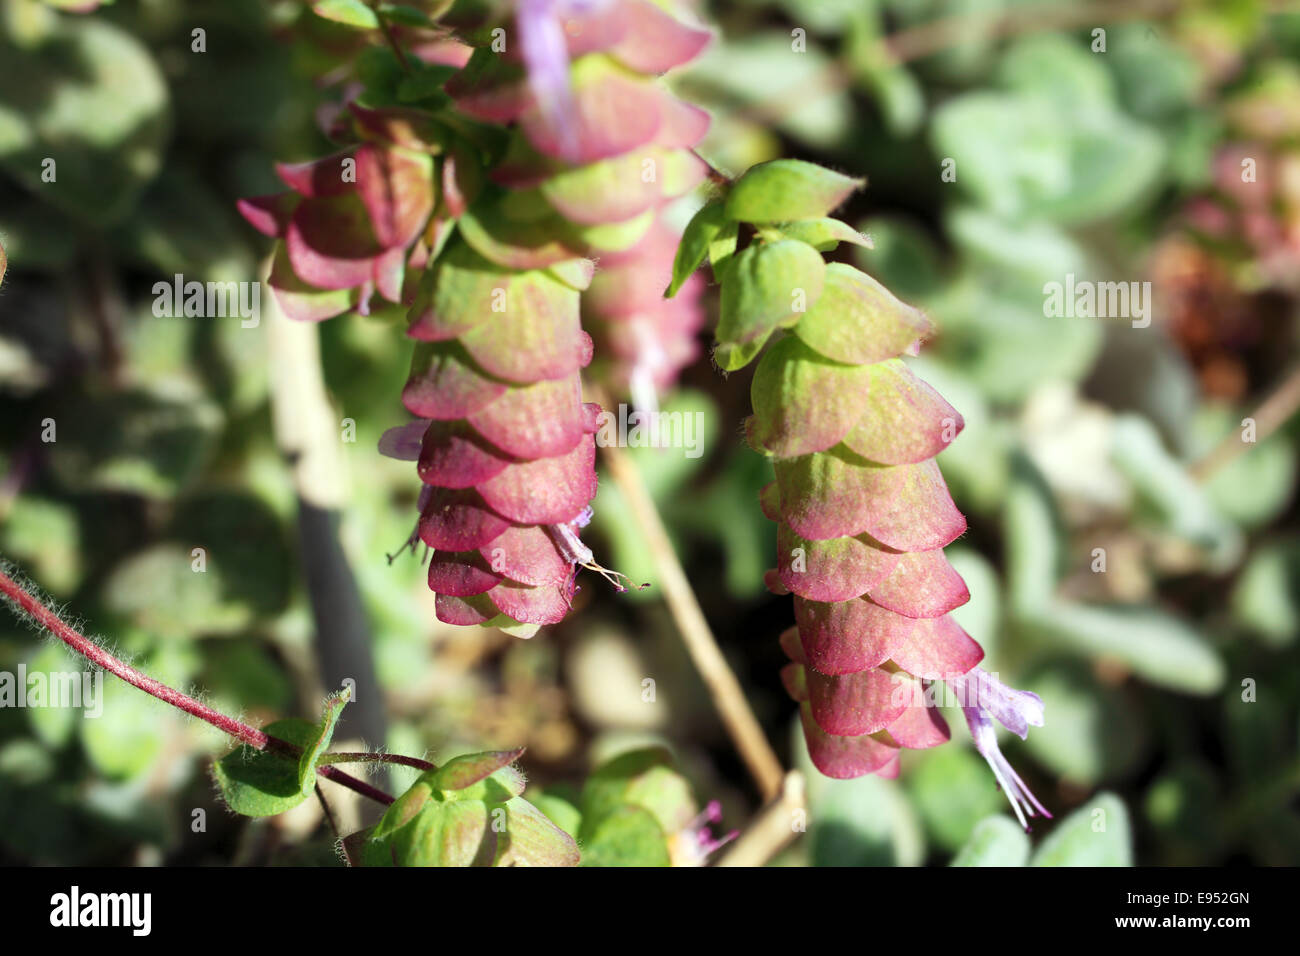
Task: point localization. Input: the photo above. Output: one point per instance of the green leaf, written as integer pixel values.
(446, 834)
(407, 16)
(45, 536)
(1169, 492)
(788, 189)
(723, 247)
(1024, 156)
(1155, 645)
(405, 808)
(130, 737)
(1154, 77)
(468, 771)
(1027, 253)
(1097, 834)
(759, 69)
(1185, 806)
(324, 732)
(361, 849)
(54, 724)
(224, 566)
(1268, 469)
(701, 232)
(135, 441)
(822, 234)
(90, 97)
(864, 822)
(1058, 68)
(642, 778)
(951, 792)
(1077, 704)
(627, 836)
(1266, 597)
(902, 255)
(766, 286)
(995, 841)
(530, 839)
(427, 82)
(161, 235)
(560, 812)
(262, 783)
(352, 13)
(1031, 529)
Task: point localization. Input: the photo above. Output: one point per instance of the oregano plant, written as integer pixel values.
(862, 509)
(500, 191)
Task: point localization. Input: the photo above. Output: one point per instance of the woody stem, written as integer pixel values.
(1272, 414)
(700, 643)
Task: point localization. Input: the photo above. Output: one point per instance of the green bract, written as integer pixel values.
(862, 509)
(469, 812)
(787, 189)
(764, 287)
(704, 229)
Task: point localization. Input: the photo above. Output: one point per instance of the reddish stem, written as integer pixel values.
(339, 756)
(97, 655)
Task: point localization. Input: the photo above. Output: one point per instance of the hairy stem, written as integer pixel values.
(329, 814)
(358, 757)
(700, 643)
(78, 642)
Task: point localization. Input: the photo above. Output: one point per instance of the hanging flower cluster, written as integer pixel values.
(643, 339)
(479, 199)
(602, 148)
(863, 512)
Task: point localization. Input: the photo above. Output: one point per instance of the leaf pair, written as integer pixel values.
(469, 812)
(264, 783)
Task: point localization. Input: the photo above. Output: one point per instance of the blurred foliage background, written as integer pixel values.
(1171, 677)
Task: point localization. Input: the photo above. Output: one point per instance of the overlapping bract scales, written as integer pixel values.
(484, 219)
(605, 170)
(643, 339)
(359, 222)
(862, 509)
(509, 454)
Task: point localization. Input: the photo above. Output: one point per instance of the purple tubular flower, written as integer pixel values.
(983, 697)
(694, 844)
(545, 53)
(1016, 710)
(404, 441)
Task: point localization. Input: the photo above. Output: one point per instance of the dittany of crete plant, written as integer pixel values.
(643, 339)
(862, 510)
(477, 200)
(470, 811)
